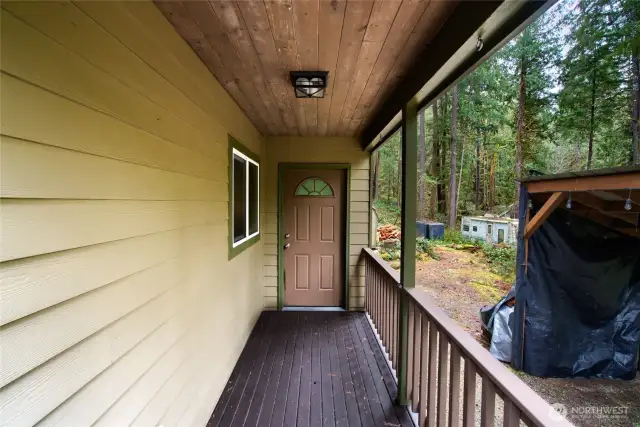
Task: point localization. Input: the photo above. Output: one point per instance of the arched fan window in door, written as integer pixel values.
(314, 187)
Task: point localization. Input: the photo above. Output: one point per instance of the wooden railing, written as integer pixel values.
(382, 301)
(447, 370)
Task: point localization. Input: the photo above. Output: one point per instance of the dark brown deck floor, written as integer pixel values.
(310, 369)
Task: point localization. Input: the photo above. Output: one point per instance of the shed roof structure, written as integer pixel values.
(610, 197)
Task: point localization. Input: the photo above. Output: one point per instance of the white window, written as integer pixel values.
(245, 200)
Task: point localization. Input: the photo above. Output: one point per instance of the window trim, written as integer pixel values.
(239, 150)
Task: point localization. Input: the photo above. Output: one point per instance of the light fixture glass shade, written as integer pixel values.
(309, 84)
(627, 204)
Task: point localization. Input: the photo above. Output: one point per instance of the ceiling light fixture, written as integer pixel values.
(309, 84)
(568, 205)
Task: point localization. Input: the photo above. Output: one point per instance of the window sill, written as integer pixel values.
(234, 252)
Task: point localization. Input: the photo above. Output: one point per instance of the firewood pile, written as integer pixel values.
(388, 232)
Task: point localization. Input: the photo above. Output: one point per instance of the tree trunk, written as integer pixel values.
(375, 186)
(477, 183)
(522, 93)
(435, 162)
(492, 182)
(635, 110)
(460, 176)
(485, 162)
(421, 147)
(442, 197)
(452, 154)
(592, 114)
(578, 156)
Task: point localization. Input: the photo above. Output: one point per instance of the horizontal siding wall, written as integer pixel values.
(317, 150)
(118, 306)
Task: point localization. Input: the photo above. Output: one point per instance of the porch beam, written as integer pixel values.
(541, 216)
(408, 237)
(496, 20)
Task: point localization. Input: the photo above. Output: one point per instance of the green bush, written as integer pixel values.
(425, 246)
(452, 235)
(501, 258)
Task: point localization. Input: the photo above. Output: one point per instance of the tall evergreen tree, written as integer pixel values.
(592, 77)
(453, 193)
(533, 54)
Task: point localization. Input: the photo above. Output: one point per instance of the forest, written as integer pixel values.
(564, 95)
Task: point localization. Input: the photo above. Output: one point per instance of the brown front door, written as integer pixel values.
(313, 237)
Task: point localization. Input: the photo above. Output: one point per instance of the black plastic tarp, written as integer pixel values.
(579, 300)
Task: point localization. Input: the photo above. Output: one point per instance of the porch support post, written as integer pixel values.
(408, 237)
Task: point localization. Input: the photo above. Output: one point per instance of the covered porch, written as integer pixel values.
(144, 246)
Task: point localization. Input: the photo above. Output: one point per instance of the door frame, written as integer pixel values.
(282, 168)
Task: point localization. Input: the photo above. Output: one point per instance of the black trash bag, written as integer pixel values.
(580, 301)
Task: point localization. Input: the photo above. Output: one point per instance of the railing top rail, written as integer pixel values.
(393, 274)
(534, 407)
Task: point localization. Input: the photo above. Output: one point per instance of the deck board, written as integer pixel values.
(310, 369)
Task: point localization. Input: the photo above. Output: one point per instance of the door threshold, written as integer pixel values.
(304, 308)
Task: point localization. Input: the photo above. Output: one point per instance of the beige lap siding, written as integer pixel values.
(118, 305)
(317, 150)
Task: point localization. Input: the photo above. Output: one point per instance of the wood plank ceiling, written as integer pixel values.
(251, 45)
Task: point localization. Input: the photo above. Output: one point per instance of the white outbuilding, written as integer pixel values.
(490, 229)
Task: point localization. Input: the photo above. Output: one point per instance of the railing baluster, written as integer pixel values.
(488, 407)
(387, 289)
(391, 340)
(443, 378)
(389, 320)
(454, 387)
(396, 318)
(378, 301)
(433, 361)
(394, 324)
(511, 417)
(417, 346)
(410, 345)
(367, 307)
(387, 286)
(469, 403)
(385, 308)
(424, 367)
(374, 312)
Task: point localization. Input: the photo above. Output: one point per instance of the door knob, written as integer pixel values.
(286, 236)
(287, 246)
